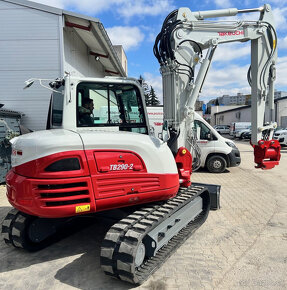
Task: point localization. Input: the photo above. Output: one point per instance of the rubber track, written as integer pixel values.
(122, 240)
(12, 228)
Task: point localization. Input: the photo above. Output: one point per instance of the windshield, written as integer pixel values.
(102, 104)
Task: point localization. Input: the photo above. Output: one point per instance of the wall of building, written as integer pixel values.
(29, 48)
(122, 57)
(281, 112)
(77, 59)
(239, 115)
(217, 109)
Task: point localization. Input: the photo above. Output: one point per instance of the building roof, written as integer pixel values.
(248, 106)
(91, 31)
(279, 99)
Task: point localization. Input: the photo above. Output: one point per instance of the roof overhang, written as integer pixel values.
(90, 30)
(95, 37)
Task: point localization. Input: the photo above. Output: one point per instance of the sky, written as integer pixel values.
(134, 24)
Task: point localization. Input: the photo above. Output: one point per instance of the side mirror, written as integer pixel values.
(165, 131)
(28, 83)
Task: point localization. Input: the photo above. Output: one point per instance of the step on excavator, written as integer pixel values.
(98, 153)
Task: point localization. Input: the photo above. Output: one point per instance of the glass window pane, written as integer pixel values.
(100, 100)
(204, 130)
(57, 108)
(111, 105)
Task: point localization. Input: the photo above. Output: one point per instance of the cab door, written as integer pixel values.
(205, 140)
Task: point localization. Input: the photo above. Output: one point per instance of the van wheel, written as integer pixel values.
(216, 164)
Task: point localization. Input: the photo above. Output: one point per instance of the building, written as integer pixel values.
(238, 114)
(281, 111)
(243, 114)
(39, 41)
(279, 94)
(198, 105)
(239, 99)
(214, 110)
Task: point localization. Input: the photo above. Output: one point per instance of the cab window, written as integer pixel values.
(205, 132)
(117, 105)
(57, 108)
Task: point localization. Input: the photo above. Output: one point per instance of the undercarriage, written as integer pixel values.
(135, 246)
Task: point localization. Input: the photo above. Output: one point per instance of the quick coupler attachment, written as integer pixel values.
(267, 154)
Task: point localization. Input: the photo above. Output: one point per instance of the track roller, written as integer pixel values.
(135, 247)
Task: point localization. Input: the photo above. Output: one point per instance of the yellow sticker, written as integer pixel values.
(83, 208)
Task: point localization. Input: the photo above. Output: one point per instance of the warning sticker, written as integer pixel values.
(83, 208)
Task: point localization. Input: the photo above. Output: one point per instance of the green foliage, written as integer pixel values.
(145, 89)
(149, 93)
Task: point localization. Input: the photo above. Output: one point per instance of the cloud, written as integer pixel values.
(223, 3)
(277, 2)
(281, 73)
(282, 43)
(54, 3)
(147, 7)
(124, 8)
(156, 82)
(127, 36)
(232, 80)
(231, 51)
(280, 18)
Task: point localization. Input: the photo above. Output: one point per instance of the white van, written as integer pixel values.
(217, 152)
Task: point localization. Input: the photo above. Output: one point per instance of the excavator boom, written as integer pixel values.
(180, 47)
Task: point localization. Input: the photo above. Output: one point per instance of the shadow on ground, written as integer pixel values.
(84, 241)
(204, 170)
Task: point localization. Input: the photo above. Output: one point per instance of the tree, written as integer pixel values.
(153, 100)
(145, 90)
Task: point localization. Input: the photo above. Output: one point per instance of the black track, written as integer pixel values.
(123, 239)
(16, 230)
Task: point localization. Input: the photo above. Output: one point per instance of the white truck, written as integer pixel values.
(216, 152)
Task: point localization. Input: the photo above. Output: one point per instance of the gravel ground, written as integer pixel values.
(242, 245)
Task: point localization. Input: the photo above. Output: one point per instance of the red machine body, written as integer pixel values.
(103, 181)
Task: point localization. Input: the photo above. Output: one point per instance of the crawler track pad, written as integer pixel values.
(122, 248)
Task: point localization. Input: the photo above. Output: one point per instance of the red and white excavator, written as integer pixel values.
(100, 156)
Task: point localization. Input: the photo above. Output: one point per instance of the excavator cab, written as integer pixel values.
(101, 105)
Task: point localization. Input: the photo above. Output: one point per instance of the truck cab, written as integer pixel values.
(216, 152)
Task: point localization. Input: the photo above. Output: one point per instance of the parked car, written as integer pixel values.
(237, 126)
(222, 129)
(277, 134)
(281, 136)
(239, 133)
(247, 134)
